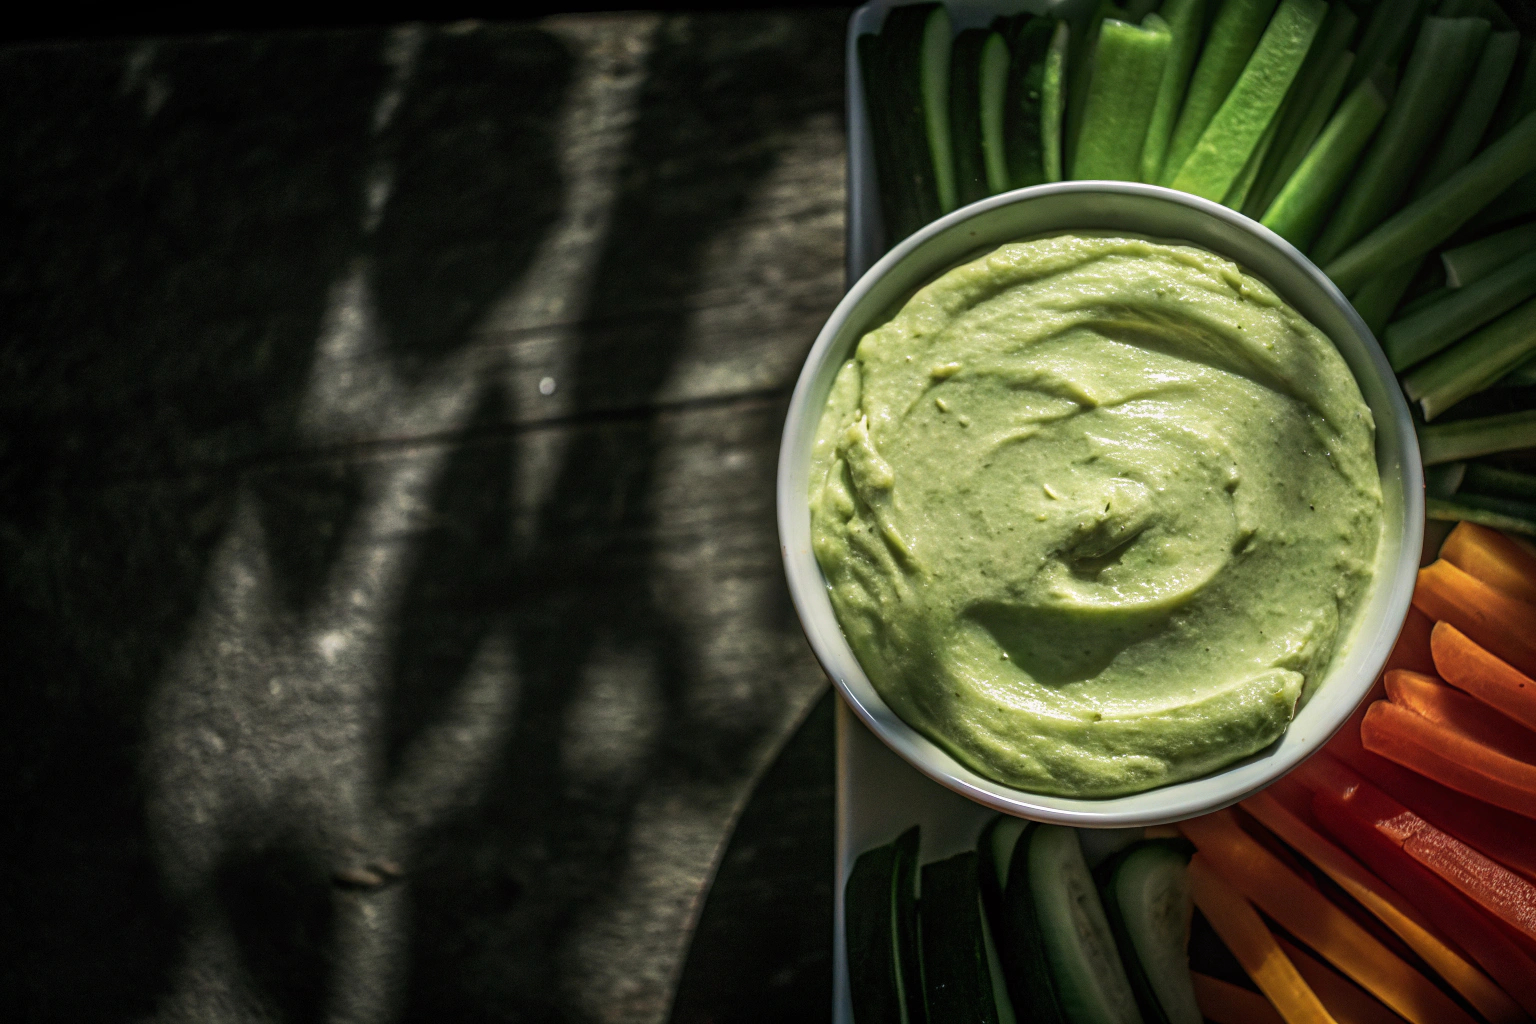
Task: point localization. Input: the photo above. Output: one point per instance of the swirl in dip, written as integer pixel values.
(1095, 512)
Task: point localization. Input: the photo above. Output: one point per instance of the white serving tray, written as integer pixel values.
(879, 795)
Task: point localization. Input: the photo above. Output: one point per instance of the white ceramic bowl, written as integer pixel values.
(1160, 213)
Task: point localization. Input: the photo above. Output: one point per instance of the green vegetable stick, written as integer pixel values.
(1237, 195)
(1476, 9)
(1317, 75)
(1229, 140)
(1433, 217)
(1522, 376)
(1053, 102)
(1024, 110)
(1279, 166)
(1186, 20)
(1128, 65)
(934, 68)
(1467, 439)
(1229, 44)
(1423, 332)
(1377, 300)
(1424, 301)
(1298, 211)
(1393, 24)
(1499, 483)
(1082, 40)
(993, 83)
(1470, 263)
(1475, 362)
(965, 128)
(1498, 513)
(1443, 59)
(1520, 97)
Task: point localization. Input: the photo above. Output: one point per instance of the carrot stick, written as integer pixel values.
(1340, 997)
(1281, 816)
(1225, 1003)
(1491, 680)
(1474, 932)
(1450, 757)
(1245, 934)
(1493, 558)
(1508, 838)
(1304, 912)
(1448, 706)
(1500, 623)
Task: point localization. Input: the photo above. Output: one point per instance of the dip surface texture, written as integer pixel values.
(1095, 513)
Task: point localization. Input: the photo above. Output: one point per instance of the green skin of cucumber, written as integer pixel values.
(880, 924)
(956, 978)
(1110, 875)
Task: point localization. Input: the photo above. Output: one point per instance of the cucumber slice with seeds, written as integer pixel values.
(1147, 901)
(880, 923)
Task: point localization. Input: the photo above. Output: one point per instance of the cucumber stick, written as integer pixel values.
(1025, 102)
(1090, 982)
(1186, 22)
(1393, 25)
(1147, 900)
(1242, 185)
(1083, 40)
(1229, 44)
(1127, 71)
(1298, 211)
(899, 117)
(1444, 57)
(1015, 926)
(956, 977)
(992, 78)
(965, 127)
(1053, 103)
(880, 923)
(933, 74)
(1236, 129)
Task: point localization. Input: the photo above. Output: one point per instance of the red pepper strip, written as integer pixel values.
(1491, 680)
(1476, 934)
(1507, 837)
(1412, 650)
(1500, 623)
(1490, 885)
(1448, 706)
(1450, 757)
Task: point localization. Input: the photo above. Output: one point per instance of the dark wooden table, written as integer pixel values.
(388, 426)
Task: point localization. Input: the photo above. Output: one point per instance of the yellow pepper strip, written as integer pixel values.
(1385, 902)
(1347, 1003)
(1307, 914)
(1226, 1003)
(1246, 935)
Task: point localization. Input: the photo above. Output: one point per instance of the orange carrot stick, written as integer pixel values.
(1473, 931)
(1448, 706)
(1450, 757)
(1339, 996)
(1507, 837)
(1385, 902)
(1491, 680)
(1250, 941)
(1492, 558)
(1498, 622)
(1225, 1003)
(1304, 912)
(1412, 650)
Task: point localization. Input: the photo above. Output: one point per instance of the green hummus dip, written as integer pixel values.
(1095, 513)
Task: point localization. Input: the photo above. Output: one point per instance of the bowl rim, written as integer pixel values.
(1161, 804)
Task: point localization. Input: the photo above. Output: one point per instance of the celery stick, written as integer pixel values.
(1470, 121)
(1320, 73)
(992, 83)
(1377, 300)
(1498, 513)
(1298, 211)
(1235, 130)
(1279, 166)
(1443, 59)
(1024, 105)
(1393, 24)
(1522, 376)
(1467, 439)
(965, 129)
(1053, 101)
(1443, 480)
(1432, 218)
(1476, 9)
(1238, 194)
(1474, 363)
(1186, 20)
(1128, 65)
(1470, 263)
(1135, 10)
(1426, 331)
(1084, 39)
(1499, 483)
(1429, 298)
(1231, 41)
(1520, 97)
